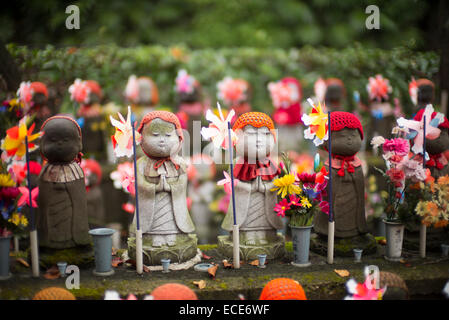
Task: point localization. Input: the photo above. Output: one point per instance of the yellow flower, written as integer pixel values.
(421, 208)
(6, 181)
(14, 142)
(286, 185)
(305, 202)
(15, 218)
(23, 220)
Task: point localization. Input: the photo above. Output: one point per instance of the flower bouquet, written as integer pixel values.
(434, 209)
(404, 170)
(300, 194)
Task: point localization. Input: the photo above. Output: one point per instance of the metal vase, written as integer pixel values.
(103, 251)
(394, 233)
(301, 245)
(4, 257)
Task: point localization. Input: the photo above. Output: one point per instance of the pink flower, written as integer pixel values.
(399, 146)
(294, 201)
(281, 207)
(324, 206)
(307, 177)
(128, 207)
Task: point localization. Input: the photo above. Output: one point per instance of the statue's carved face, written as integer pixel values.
(346, 142)
(61, 141)
(160, 139)
(439, 144)
(254, 143)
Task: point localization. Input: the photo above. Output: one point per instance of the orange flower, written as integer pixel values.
(444, 180)
(441, 224)
(432, 209)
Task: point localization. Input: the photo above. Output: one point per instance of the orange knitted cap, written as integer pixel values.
(424, 82)
(54, 293)
(62, 117)
(255, 119)
(283, 289)
(164, 115)
(173, 291)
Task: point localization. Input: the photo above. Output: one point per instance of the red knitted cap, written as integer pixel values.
(283, 289)
(255, 119)
(419, 115)
(62, 117)
(424, 82)
(164, 115)
(342, 119)
(39, 87)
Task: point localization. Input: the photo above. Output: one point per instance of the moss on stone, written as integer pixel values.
(207, 247)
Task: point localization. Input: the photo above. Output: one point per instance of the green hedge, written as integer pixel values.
(112, 65)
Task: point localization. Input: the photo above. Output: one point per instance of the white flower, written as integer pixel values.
(377, 141)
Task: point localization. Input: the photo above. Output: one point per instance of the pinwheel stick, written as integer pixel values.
(423, 228)
(33, 232)
(331, 224)
(139, 252)
(235, 228)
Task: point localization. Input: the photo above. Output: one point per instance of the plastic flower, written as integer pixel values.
(365, 291)
(6, 181)
(417, 127)
(19, 219)
(413, 91)
(25, 197)
(281, 207)
(377, 141)
(218, 129)
(123, 177)
(14, 142)
(305, 202)
(185, 82)
(79, 91)
(285, 185)
(122, 140)
(25, 94)
(18, 170)
(398, 146)
(232, 91)
(294, 201)
(324, 206)
(378, 88)
(317, 122)
(283, 94)
(226, 183)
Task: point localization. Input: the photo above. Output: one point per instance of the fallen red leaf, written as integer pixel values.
(254, 263)
(206, 256)
(116, 262)
(23, 262)
(146, 269)
(212, 271)
(52, 273)
(227, 265)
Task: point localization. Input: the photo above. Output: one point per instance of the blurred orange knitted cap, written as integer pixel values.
(94, 87)
(164, 115)
(255, 119)
(283, 289)
(173, 291)
(54, 293)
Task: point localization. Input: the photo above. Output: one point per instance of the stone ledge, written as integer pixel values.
(425, 278)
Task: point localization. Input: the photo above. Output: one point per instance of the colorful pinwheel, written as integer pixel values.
(417, 128)
(378, 88)
(218, 129)
(122, 140)
(226, 183)
(25, 197)
(14, 142)
(317, 122)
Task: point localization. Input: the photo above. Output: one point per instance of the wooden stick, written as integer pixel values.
(139, 252)
(331, 224)
(235, 227)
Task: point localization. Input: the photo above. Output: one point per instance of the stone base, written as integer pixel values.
(81, 256)
(184, 249)
(274, 249)
(434, 238)
(343, 246)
